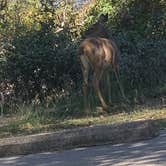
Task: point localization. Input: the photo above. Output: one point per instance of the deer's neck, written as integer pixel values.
(96, 30)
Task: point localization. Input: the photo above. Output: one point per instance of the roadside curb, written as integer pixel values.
(79, 137)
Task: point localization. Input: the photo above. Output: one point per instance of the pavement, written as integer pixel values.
(151, 152)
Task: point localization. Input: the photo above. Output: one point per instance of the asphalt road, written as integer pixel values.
(146, 153)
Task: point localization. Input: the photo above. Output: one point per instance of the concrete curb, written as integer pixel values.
(79, 137)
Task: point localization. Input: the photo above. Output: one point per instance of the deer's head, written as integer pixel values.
(98, 29)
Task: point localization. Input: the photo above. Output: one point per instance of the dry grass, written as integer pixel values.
(34, 122)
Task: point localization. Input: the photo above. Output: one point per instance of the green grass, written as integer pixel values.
(30, 122)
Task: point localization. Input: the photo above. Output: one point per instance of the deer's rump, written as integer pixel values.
(99, 50)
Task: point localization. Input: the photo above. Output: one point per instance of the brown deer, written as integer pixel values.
(97, 53)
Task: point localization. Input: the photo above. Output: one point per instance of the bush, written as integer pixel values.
(142, 61)
(39, 47)
(40, 62)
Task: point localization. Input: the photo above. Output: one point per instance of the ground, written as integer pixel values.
(30, 122)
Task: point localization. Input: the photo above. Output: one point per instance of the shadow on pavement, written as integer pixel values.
(150, 152)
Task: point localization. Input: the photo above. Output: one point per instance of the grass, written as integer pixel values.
(31, 122)
(66, 112)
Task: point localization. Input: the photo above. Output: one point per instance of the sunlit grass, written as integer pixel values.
(31, 122)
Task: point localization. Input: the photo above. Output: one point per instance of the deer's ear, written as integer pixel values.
(106, 16)
(103, 17)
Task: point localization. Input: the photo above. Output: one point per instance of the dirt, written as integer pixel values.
(6, 120)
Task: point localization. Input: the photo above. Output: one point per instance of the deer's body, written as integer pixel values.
(97, 53)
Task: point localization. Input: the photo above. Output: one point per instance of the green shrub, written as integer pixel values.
(38, 55)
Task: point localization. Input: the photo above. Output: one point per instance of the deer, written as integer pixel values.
(97, 53)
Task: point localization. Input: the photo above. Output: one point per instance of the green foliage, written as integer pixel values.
(142, 42)
(38, 56)
(148, 17)
(40, 62)
(138, 27)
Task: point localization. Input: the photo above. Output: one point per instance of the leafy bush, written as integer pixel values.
(142, 62)
(38, 56)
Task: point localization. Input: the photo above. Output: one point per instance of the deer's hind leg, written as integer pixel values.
(97, 75)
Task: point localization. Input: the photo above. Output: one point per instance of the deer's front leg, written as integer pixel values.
(85, 72)
(108, 80)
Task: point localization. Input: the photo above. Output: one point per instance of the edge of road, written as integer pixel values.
(79, 137)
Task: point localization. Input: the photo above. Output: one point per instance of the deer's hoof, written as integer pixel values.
(106, 109)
